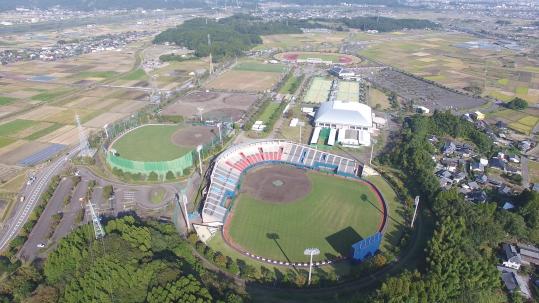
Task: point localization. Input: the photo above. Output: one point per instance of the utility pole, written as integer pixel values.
(311, 252)
(184, 198)
(372, 151)
(220, 136)
(416, 204)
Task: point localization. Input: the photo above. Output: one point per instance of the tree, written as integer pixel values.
(517, 103)
(170, 175)
(152, 176)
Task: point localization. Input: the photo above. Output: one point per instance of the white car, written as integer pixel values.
(41, 245)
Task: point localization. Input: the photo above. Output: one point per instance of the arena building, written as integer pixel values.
(351, 123)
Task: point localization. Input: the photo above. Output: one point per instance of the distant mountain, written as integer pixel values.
(88, 5)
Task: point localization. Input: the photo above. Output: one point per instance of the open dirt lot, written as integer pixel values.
(277, 184)
(249, 81)
(215, 105)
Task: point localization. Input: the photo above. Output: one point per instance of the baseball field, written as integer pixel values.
(282, 210)
(161, 142)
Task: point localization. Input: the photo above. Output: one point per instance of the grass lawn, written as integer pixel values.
(521, 90)
(6, 100)
(332, 217)
(290, 86)
(504, 81)
(4, 141)
(268, 111)
(533, 171)
(14, 126)
(260, 67)
(150, 143)
(378, 97)
(157, 195)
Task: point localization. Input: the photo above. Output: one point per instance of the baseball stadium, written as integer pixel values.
(274, 198)
(158, 148)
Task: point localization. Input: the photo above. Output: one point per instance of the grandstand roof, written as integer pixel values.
(344, 113)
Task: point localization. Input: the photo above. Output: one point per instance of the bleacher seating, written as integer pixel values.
(229, 166)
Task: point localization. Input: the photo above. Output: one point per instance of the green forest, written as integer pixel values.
(460, 261)
(385, 24)
(135, 262)
(229, 36)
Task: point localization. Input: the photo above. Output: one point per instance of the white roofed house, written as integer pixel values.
(352, 120)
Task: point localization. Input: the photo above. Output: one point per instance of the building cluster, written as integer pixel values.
(514, 256)
(67, 49)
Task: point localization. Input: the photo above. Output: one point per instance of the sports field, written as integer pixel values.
(318, 91)
(260, 67)
(348, 91)
(151, 143)
(332, 214)
(317, 56)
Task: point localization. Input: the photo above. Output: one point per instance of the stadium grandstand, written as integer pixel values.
(230, 165)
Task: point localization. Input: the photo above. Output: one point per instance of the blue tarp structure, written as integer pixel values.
(366, 247)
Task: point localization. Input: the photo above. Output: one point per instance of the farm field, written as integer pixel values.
(281, 231)
(150, 143)
(443, 57)
(248, 81)
(318, 90)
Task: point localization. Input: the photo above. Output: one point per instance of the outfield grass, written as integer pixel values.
(260, 67)
(150, 143)
(14, 126)
(4, 141)
(6, 100)
(332, 217)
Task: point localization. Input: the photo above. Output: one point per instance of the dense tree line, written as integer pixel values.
(517, 103)
(385, 24)
(461, 255)
(135, 262)
(229, 36)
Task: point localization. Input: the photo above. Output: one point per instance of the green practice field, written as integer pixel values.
(348, 91)
(334, 215)
(260, 67)
(150, 143)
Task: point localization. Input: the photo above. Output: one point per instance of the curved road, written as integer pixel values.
(32, 195)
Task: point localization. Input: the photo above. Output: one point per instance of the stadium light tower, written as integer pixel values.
(220, 136)
(199, 149)
(311, 252)
(416, 204)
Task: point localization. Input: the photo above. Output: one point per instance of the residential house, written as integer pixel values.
(529, 253)
(497, 163)
(514, 282)
(449, 148)
(512, 257)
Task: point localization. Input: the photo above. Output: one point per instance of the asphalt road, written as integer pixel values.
(32, 195)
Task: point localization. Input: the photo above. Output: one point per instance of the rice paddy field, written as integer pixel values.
(318, 91)
(500, 73)
(520, 121)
